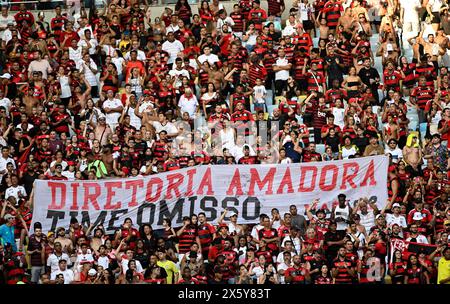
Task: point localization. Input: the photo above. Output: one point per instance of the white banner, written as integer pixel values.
(249, 190)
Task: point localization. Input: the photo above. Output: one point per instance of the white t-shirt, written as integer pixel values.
(396, 154)
(140, 55)
(14, 191)
(68, 275)
(259, 92)
(53, 261)
(211, 58)
(368, 220)
(283, 74)
(188, 105)
(112, 118)
(93, 42)
(124, 263)
(420, 239)
(339, 114)
(65, 87)
(168, 127)
(410, 14)
(118, 63)
(5, 102)
(173, 48)
(391, 219)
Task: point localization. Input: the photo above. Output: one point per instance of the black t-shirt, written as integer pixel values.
(333, 142)
(162, 272)
(28, 180)
(333, 237)
(333, 68)
(367, 74)
(361, 143)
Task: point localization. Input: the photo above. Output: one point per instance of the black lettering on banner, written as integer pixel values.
(165, 213)
(73, 214)
(114, 218)
(212, 209)
(140, 211)
(86, 220)
(192, 200)
(235, 202)
(55, 216)
(257, 208)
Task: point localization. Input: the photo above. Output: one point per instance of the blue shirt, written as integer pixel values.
(7, 236)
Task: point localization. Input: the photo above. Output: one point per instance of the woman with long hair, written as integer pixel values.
(184, 11)
(415, 272)
(352, 83)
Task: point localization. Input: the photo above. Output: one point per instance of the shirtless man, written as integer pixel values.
(346, 20)
(388, 50)
(107, 159)
(358, 10)
(323, 28)
(102, 130)
(362, 24)
(66, 242)
(415, 47)
(30, 101)
(391, 130)
(97, 240)
(431, 47)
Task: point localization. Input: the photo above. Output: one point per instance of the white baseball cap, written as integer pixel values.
(6, 76)
(92, 272)
(417, 216)
(396, 205)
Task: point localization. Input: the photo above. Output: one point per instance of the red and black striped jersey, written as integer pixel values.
(410, 76)
(428, 71)
(422, 94)
(258, 16)
(342, 277)
(333, 12)
(320, 64)
(303, 41)
(315, 81)
(265, 234)
(171, 164)
(238, 19)
(205, 234)
(297, 274)
(299, 62)
(274, 7)
(56, 25)
(245, 6)
(24, 16)
(248, 160)
(414, 275)
(256, 71)
(307, 257)
(187, 238)
(160, 149)
(321, 280)
(392, 79)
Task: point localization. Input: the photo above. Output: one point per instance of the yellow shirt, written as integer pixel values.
(170, 268)
(443, 270)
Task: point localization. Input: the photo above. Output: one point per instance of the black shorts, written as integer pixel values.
(436, 18)
(308, 25)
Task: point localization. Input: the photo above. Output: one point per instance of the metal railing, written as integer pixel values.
(34, 5)
(51, 4)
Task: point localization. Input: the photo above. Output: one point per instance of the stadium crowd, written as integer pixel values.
(120, 92)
